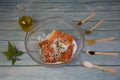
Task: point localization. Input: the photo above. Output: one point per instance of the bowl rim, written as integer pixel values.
(58, 18)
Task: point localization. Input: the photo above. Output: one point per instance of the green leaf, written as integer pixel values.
(18, 52)
(12, 53)
(8, 55)
(13, 61)
(10, 47)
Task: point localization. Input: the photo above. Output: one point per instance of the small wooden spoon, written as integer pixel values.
(89, 31)
(92, 41)
(90, 65)
(87, 18)
(91, 52)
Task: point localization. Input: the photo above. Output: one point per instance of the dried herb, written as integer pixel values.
(13, 53)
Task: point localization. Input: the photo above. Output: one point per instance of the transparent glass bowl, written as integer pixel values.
(45, 27)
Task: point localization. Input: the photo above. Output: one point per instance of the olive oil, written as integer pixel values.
(24, 21)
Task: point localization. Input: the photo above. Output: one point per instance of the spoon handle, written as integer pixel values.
(87, 18)
(105, 39)
(107, 53)
(105, 68)
(96, 25)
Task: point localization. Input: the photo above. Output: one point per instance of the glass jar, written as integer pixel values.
(24, 20)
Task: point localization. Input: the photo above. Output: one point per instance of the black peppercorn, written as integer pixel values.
(91, 52)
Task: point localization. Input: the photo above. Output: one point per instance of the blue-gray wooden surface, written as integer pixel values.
(76, 10)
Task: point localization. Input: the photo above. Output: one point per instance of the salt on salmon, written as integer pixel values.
(57, 47)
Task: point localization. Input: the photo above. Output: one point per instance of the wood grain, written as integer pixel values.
(59, 73)
(106, 26)
(56, 1)
(26, 60)
(70, 15)
(66, 7)
(19, 35)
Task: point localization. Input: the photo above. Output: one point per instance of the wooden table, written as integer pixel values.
(76, 10)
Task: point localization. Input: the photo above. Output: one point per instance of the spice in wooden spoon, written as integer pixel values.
(92, 41)
(91, 52)
(87, 18)
(89, 31)
(90, 65)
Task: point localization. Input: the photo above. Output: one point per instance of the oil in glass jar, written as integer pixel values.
(24, 21)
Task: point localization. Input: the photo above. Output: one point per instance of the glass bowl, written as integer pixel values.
(45, 27)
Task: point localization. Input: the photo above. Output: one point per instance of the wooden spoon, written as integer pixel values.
(90, 65)
(89, 31)
(87, 18)
(92, 41)
(91, 52)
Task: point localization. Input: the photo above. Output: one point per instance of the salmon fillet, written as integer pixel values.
(53, 54)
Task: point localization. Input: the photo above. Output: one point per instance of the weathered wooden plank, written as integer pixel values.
(113, 46)
(11, 35)
(58, 73)
(19, 35)
(111, 15)
(103, 34)
(107, 25)
(103, 46)
(99, 59)
(9, 26)
(56, 0)
(94, 6)
(26, 60)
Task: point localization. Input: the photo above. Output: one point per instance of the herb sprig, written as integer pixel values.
(13, 53)
(59, 46)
